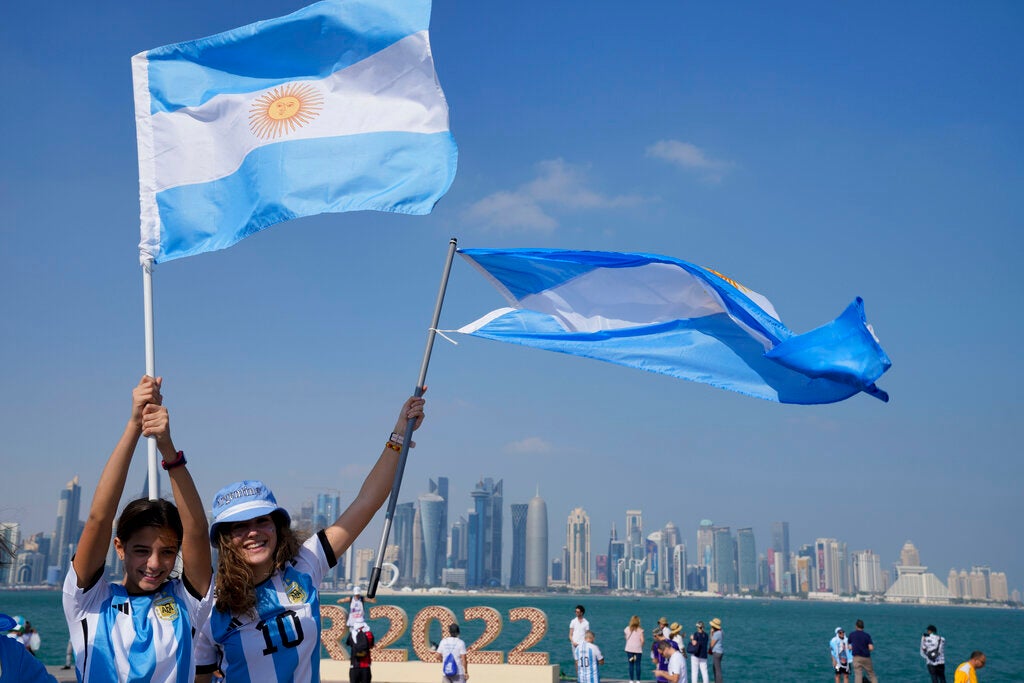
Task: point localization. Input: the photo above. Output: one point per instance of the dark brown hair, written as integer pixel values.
(143, 512)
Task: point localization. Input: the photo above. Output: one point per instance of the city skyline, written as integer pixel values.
(426, 552)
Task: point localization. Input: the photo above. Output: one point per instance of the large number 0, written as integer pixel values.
(282, 631)
(420, 626)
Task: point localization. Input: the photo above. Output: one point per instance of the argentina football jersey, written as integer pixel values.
(281, 641)
(121, 637)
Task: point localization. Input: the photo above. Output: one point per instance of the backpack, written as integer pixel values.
(360, 645)
(450, 667)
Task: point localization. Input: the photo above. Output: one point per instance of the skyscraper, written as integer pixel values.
(616, 553)
(517, 575)
(405, 515)
(440, 487)
(669, 539)
(780, 543)
(867, 572)
(537, 543)
(635, 534)
(909, 557)
(746, 559)
(577, 542)
(705, 543)
(484, 567)
(724, 560)
(431, 513)
(65, 536)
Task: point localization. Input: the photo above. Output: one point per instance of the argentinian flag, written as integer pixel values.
(668, 316)
(335, 107)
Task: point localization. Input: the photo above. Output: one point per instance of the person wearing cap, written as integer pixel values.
(356, 610)
(140, 629)
(933, 649)
(665, 630)
(842, 658)
(17, 665)
(717, 651)
(699, 653)
(675, 668)
(266, 615)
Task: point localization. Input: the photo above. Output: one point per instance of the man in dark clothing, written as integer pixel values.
(861, 645)
(359, 643)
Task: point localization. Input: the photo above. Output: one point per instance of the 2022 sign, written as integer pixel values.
(334, 636)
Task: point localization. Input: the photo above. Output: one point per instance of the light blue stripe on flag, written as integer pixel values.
(335, 107)
(664, 315)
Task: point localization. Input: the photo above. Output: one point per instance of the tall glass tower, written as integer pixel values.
(537, 543)
(431, 516)
(484, 567)
(65, 536)
(517, 576)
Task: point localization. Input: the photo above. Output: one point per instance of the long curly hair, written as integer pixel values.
(235, 585)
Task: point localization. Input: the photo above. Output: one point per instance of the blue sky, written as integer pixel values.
(813, 151)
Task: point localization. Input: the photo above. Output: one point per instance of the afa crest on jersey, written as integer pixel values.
(166, 609)
(295, 593)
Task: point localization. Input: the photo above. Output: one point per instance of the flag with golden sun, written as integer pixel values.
(335, 107)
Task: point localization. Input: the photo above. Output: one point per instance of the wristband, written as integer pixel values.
(398, 439)
(393, 446)
(177, 463)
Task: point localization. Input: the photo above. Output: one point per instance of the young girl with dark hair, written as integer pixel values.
(140, 629)
(266, 621)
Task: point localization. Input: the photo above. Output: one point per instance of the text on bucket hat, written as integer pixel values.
(242, 501)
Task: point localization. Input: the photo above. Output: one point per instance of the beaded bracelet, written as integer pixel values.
(394, 446)
(177, 463)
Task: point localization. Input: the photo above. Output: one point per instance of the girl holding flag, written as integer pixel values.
(266, 620)
(140, 629)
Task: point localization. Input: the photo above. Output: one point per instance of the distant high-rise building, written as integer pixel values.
(537, 543)
(11, 533)
(780, 542)
(405, 516)
(670, 538)
(416, 568)
(601, 568)
(746, 559)
(440, 487)
(431, 514)
(909, 557)
(827, 565)
(635, 534)
(653, 554)
(484, 566)
(679, 568)
(363, 565)
(616, 553)
(724, 560)
(459, 546)
(705, 542)
(517, 574)
(867, 572)
(999, 591)
(577, 541)
(65, 536)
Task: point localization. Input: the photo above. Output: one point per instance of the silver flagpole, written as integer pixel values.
(371, 590)
(147, 294)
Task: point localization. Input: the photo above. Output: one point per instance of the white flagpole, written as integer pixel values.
(371, 590)
(147, 294)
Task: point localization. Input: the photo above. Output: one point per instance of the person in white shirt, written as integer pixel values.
(578, 627)
(676, 672)
(456, 647)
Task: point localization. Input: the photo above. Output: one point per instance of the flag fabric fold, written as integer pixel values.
(335, 107)
(665, 315)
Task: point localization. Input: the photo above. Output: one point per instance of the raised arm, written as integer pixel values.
(95, 541)
(376, 487)
(195, 543)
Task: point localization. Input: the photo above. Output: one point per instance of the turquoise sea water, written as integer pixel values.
(766, 640)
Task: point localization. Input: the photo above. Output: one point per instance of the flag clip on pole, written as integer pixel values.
(371, 590)
(153, 473)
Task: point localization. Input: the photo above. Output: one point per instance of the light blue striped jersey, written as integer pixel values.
(281, 641)
(122, 638)
(587, 655)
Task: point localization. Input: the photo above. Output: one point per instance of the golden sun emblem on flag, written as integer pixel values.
(284, 109)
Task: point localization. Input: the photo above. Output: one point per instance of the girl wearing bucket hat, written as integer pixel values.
(266, 619)
(140, 629)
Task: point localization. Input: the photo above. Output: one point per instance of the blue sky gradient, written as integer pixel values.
(812, 151)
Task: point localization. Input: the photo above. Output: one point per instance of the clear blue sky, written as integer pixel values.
(813, 151)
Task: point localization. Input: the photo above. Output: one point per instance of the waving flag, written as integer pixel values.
(665, 315)
(335, 107)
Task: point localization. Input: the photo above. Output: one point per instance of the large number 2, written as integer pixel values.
(282, 631)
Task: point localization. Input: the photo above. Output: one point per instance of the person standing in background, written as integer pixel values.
(634, 647)
(862, 647)
(839, 648)
(967, 672)
(699, 651)
(933, 649)
(578, 628)
(717, 651)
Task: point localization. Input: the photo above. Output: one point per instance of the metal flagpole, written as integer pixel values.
(371, 590)
(147, 294)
